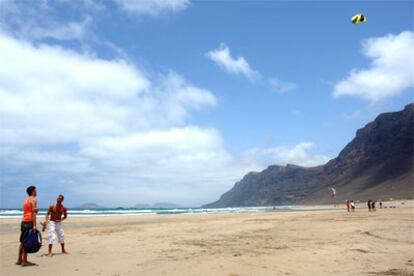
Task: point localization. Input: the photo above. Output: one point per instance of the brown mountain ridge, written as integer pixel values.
(376, 164)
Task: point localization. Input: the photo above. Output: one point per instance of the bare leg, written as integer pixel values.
(63, 249)
(25, 262)
(50, 250)
(19, 259)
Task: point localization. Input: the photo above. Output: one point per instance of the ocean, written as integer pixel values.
(15, 213)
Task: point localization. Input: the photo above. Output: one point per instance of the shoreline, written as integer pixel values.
(192, 211)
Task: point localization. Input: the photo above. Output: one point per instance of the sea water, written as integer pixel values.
(15, 213)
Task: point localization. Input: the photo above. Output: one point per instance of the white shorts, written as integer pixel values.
(55, 231)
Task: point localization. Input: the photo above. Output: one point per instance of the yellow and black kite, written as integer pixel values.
(359, 18)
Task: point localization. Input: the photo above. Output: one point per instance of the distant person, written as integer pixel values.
(373, 206)
(369, 205)
(348, 205)
(28, 222)
(54, 224)
(380, 203)
(352, 206)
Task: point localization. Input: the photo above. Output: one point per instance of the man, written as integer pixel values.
(28, 222)
(55, 229)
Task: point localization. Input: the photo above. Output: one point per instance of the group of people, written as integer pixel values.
(371, 205)
(53, 222)
(350, 205)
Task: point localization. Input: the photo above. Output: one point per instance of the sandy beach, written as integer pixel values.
(313, 242)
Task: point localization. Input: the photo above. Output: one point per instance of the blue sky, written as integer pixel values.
(125, 102)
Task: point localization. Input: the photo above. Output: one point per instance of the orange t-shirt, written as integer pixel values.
(27, 210)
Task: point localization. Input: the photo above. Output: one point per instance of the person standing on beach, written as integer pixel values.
(352, 206)
(28, 222)
(373, 206)
(55, 229)
(369, 205)
(348, 206)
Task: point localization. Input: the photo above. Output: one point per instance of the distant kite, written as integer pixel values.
(333, 192)
(359, 18)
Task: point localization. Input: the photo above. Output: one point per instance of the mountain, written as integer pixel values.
(89, 206)
(166, 205)
(141, 206)
(377, 163)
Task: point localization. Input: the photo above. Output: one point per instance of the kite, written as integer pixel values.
(359, 18)
(333, 192)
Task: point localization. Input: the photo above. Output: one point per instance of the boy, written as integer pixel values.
(28, 222)
(55, 228)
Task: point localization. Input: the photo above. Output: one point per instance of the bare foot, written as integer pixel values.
(50, 254)
(65, 252)
(18, 262)
(28, 264)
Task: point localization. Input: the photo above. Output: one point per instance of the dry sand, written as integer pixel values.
(314, 242)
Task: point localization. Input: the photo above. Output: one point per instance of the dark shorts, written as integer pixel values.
(24, 229)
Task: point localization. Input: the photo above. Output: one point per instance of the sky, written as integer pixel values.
(125, 102)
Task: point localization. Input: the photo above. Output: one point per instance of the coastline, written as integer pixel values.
(317, 242)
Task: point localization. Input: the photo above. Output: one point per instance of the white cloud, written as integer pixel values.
(55, 95)
(236, 66)
(281, 86)
(41, 21)
(152, 7)
(299, 154)
(83, 123)
(239, 66)
(390, 73)
(107, 124)
(44, 19)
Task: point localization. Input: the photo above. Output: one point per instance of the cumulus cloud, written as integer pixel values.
(299, 154)
(152, 7)
(72, 95)
(390, 73)
(55, 94)
(75, 123)
(239, 66)
(235, 66)
(105, 125)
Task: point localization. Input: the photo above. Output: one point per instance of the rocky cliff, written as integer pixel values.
(377, 163)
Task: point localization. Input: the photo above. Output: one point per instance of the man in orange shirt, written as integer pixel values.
(55, 229)
(28, 222)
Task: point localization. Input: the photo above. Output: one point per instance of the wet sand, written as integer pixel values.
(313, 242)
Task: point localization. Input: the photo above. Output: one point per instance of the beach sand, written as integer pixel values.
(313, 242)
